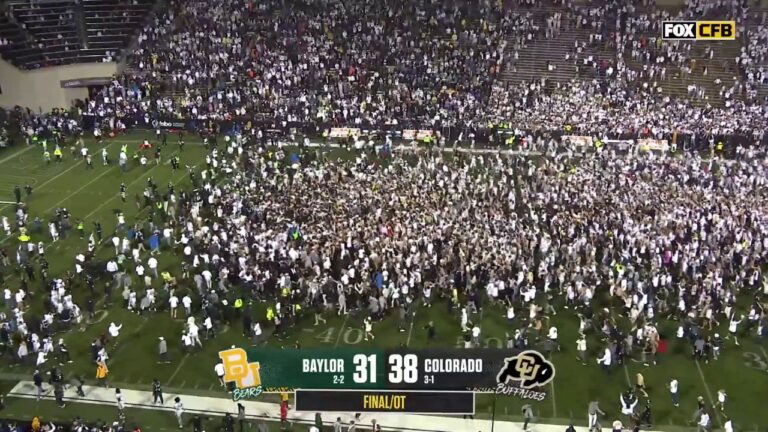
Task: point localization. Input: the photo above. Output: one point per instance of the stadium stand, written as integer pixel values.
(52, 33)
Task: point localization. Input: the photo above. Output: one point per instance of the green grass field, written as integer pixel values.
(92, 195)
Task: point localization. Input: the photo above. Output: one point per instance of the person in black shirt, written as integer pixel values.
(17, 193)
(97, 229)
(58, 393)
(56, 376)
(63, 353)
(197, 423)
(38, 380)
(157, 392)
(241, 416)
(228, 423)
(78, 382)
(430, 327)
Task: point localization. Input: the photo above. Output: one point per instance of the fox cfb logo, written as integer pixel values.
(245, 375)
(698, 30)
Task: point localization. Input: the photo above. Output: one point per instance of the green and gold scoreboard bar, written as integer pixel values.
(435, 381)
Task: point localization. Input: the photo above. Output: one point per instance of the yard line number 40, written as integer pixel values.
(756, 361)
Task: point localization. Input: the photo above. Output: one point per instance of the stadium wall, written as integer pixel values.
(41, 90)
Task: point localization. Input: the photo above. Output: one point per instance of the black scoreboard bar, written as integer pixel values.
(394, 401)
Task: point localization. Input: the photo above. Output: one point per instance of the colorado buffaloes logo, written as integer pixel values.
(529, 368)
(245, 375)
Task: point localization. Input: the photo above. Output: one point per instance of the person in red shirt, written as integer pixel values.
(283, 412)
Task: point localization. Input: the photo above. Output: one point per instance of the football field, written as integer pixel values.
(92, 195)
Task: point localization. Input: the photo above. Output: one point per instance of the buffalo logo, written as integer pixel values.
(529, 368)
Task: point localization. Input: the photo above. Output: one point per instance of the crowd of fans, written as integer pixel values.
(665, 238)
(426, 63)
(662, 238)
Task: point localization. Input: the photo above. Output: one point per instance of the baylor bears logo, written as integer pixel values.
(529, 368)
(243, 374)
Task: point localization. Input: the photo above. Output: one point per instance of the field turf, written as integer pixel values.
(92, 195)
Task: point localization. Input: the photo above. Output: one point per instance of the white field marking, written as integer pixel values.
(626, 374)
(138, 178)
(178, 368)
(554, 402)
(343, 326)
(709, 393)
(79, 189)
(764, 353)
(17, 177)
(52, 179)
(410, 330)
(11, 156)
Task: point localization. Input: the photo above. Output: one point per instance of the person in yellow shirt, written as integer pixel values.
(101, 373)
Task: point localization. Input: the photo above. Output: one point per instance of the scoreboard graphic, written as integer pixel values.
(434, 381)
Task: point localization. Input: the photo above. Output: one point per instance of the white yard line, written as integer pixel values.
(11, 156)
(138, 178)
(410, 330)
(626, 375)
(554, 399)
(51, 179)
(178, 368)
(79, 189)
(709, 393)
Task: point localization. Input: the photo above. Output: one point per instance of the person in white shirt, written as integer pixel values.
(208, 277)
(173, 304)
(728, 425)
(256, 334)
(721, 398)
(120, 402)
(673, 392)
(178, 409)
(187, 341)
(208, 326)
(53, 231)
(219, 369)
(552, 334)
(628, 402)
(152, 264)
(40, 358)
(187, 302)
(139, 270)
(368, 328)
(703, 422)
(112, 267)
(114, 330)
(511, 314)
(733, 327)
(605, 360)
(464, 319)
(476, 336)
(194, 334)
(581, 348)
